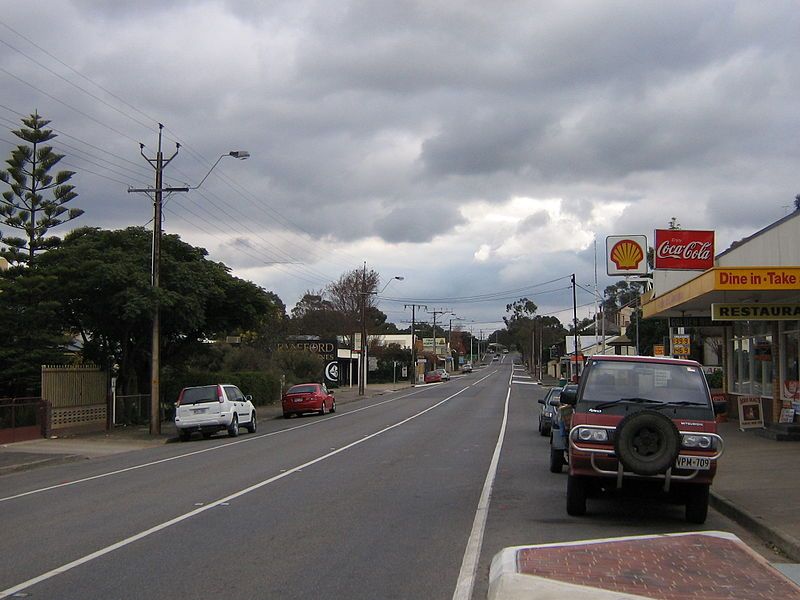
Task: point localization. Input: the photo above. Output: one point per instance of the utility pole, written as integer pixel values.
(362, 361)
(575, 324)
(158, 163)
(413, 341)
(450, 335)
(435, 353)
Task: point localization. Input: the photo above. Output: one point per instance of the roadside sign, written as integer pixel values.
(626, 255)
(681, 345)
(658, 350)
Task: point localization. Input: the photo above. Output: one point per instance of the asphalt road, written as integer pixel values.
(387, 498)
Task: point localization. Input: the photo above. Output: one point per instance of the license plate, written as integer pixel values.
(698, 463)
(199, 410)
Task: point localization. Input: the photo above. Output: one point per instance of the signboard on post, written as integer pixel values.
(658, 349)
(681, 345)
(682, 249)
(626, 255)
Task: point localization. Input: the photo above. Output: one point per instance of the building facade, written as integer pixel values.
(751, 300)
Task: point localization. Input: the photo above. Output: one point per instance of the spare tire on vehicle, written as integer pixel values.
(647, 442)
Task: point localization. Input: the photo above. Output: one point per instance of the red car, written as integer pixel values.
(308, 397)
(433, 377)
(642, 425)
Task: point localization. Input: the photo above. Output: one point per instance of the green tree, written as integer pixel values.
(32, 329)
(314, 315)
(650, 332)
(525, 328)
(299, 366)
(103, 285)
(35, 202)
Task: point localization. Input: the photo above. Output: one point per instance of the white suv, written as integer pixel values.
(212, 408)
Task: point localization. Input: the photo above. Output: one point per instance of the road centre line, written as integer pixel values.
(469, 564)
(155, 529)
(482, 378)
(204, 450)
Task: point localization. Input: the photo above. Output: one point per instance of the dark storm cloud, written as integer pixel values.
(391, 121)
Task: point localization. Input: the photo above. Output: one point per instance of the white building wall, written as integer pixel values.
(777, 246)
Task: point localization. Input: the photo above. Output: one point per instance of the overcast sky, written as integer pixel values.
(479, 149)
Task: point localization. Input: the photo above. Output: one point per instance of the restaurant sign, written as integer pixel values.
(683, 249)
(764, 278)
(740, 311)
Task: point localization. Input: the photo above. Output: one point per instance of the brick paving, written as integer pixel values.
(663, 568)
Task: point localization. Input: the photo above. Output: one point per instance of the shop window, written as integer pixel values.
(791, 369)
(752, 363)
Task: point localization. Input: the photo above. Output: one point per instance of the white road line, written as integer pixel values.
(472, 554)
(526, 382)
(147, 532)
(483, 378)
(204, 450)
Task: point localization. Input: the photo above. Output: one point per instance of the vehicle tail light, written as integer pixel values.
(220, 395)
(180, 397)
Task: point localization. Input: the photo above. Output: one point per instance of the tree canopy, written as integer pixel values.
(34, 204)
(103, 288)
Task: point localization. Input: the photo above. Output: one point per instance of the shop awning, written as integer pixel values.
(726, 284)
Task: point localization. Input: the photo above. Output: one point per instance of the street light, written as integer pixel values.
(239, 154)
(362, 376)
(159, 163)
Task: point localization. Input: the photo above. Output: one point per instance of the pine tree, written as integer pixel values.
(25, 206)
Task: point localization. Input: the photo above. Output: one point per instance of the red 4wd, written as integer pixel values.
(643, 425)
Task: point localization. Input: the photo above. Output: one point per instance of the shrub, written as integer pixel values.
(715, 379)
(264, 386)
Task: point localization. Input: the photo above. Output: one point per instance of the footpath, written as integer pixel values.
(22, 456)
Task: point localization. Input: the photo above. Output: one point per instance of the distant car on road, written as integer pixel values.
(308, 397)
(505, 350)
(445, 375)
(433, 377)
(212, 408)
(549, 407)
(466, 368)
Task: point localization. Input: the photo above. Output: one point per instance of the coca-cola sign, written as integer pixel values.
(682, 249)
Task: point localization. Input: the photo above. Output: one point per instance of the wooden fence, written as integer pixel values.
(78, 397)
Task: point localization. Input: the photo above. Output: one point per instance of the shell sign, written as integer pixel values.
(626, 254)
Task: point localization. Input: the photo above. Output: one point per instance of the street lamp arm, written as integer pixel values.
(240, 154)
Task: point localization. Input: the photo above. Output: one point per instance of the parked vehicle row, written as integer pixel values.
(640, 426)
(208, 409)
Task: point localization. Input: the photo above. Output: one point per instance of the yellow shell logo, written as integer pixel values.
(626, 254)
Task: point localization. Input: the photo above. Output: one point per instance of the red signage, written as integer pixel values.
(682, 249)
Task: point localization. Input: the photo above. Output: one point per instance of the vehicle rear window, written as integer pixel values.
(196, 395)
(662, 382)
(302, 389)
